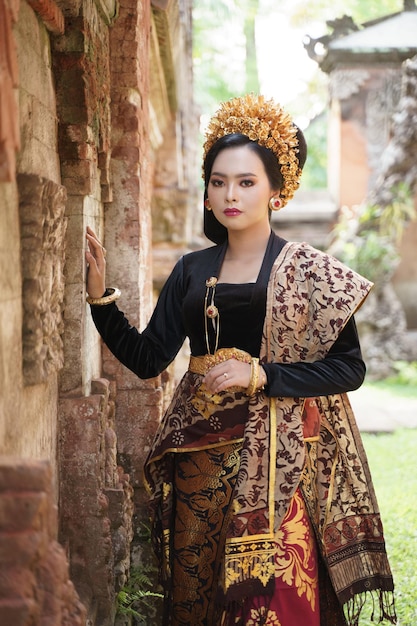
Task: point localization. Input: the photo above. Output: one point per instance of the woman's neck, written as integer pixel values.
(243, 259)
(247, 245)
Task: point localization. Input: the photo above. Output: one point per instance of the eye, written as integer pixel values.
(247, 182)
(216, 182)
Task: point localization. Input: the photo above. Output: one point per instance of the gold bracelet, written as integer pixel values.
(110, 297)
(254, 375)
(262, 385)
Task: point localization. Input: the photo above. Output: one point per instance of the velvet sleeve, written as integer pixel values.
(340, 371)
(148, 353)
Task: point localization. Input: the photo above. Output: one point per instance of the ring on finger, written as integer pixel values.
(226, 375)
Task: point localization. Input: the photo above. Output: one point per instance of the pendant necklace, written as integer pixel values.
(211, 312)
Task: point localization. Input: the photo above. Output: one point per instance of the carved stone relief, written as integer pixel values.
(398, 163)
(381, 103)
(43, 227)
(345, 83)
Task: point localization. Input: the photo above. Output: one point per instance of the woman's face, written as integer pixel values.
(239, 189)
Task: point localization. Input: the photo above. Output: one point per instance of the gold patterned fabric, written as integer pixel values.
(204, 482)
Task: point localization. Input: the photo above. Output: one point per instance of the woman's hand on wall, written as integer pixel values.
(96, 259)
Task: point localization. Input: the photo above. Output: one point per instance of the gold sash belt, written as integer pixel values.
(202, 364)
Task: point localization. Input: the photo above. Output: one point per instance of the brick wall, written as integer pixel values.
(35, 587)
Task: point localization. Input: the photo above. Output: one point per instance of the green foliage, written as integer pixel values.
(224, 50)
(137, 594)
(371, 255)
(406, 374)
(218, 52)
(315, 169)
(393, 217)
(392, 459)
(401, 384)
(322, 10)
(372, 249)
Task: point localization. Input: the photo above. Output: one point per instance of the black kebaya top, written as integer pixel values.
(180, 313)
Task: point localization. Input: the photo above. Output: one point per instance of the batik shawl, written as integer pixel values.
(310, 298)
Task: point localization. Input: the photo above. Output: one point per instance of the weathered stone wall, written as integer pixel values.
(81, 70)
(35, 587)
(176, 201)
(89, 93)
(33, 278)
(10, 317)
(34, 579)
(95, 500)
(405, 277)
(9, 128)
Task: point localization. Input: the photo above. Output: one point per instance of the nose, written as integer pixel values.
(231, 193)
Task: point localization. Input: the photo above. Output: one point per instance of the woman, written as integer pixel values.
(262, 505)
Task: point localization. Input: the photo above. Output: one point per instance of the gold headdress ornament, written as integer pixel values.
(267, 123)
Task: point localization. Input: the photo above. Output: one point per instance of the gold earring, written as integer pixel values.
(274, 204)
(207, 205)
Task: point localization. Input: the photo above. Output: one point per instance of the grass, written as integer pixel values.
(392, 459)
(393, 390)
(402, 384)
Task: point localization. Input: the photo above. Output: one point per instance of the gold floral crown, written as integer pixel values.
(267, 123)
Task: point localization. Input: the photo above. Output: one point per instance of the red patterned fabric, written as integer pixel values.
(295, 599)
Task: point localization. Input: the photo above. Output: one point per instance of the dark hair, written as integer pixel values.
(269, 160)
(212, 228)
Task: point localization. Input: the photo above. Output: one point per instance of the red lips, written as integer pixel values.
(232, 212)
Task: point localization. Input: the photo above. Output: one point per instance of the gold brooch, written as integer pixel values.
(212, 311)
(211, 282)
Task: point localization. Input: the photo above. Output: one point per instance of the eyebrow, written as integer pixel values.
(238, 175)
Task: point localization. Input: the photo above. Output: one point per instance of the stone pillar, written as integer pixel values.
(128, 229)
(95, 501)
(81, 68)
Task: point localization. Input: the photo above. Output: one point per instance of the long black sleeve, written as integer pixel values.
(148, 353)
(341, 370)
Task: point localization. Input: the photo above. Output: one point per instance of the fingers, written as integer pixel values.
(96, 248)
(228, 374)
(95, 257)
